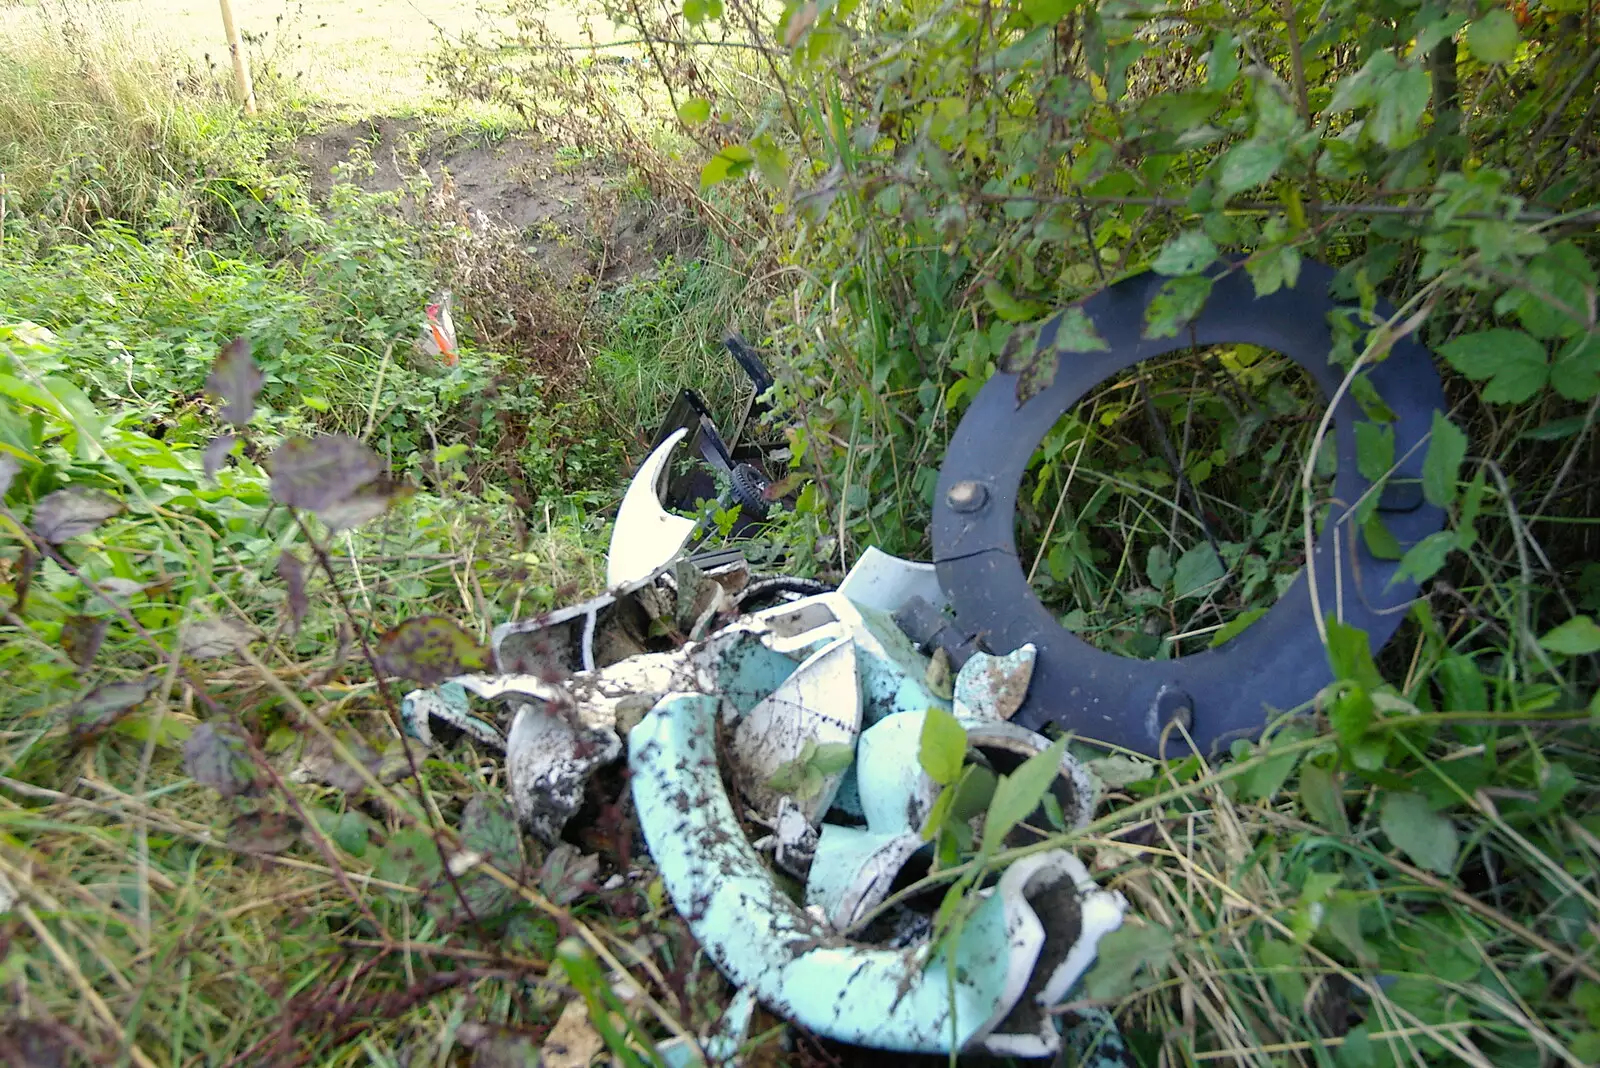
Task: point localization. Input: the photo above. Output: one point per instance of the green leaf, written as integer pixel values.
(1274, 269)
(1374, 450)
(1222, 66)
(831, 758)
(1424, 559)
(1360, 89)
(1179, 301)
(1188, 253)
(1576, 373)
(1441, 470)
(943, 746)
(1008, 307)
(1047, 12)
(731, 162)
(1342, 916)
(1268, 777)
(1245, 166)
(1514, 363)
(1578, 636)
(1018, 794)
(973, 794)
(1158, 566)
(1121, 954)
(695, 110)
(1075, 332)
(1462, 684)
(411, 858)
(1236, 626)
(939, 814)
(1321, 792)
(1493, 38)
(1196, 572)
(1426, 836)
(1402, 98)
(1350, 655)
(1380, 540)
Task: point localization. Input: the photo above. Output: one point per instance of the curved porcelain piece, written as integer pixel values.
(646, 537)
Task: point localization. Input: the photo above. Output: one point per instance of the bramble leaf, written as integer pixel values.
(67, 513)
(321, 473)
(235, 380)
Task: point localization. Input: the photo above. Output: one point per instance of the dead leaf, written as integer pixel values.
(207, 639)
(498, 1047)
(320, 764)
(429, 650)
(67, 513)
(573, 1042)
(321, 473)
(102, 706)
(293, 572)
(263, 833)
(216, 452)
(235, 380)
(81, 637)
(218, 755)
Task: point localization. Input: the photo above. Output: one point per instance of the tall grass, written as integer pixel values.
(98, 122)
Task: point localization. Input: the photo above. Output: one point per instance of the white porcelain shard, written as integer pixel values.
(646, 537)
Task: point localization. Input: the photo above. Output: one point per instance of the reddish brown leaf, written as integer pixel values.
(217, 453)
(264, 833)
(218, 755)
(81, 637)
(368, 502)
(67, 513)
(97, 710)
(321, 473)
(293, 572)
(430, 649)
(235, 380)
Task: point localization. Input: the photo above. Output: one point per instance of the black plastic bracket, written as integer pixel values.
(1275, 664)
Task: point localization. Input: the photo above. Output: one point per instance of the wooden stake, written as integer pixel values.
(241, 65)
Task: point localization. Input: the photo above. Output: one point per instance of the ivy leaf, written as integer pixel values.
(1120, 955)
(101, 707)
(1493, 38)
(292, 570)
(218, 755)
(731, 162)
(1441, 470)
(1426, 836)
(1190, 252)
(1017, 795)
(1196, 572)
(429, 650)
(1179, 301)
(1075, 332)
(943, 746)
(216, 453)
(235, 380)
(695, 110)
(1424, 559)
(1578, 636)
(1247, 165)
(81, 637)
(1396, 121)
(321, 473)
(1514, 363)
(67, 513)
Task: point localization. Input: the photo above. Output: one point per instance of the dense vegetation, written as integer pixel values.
(1405, 871)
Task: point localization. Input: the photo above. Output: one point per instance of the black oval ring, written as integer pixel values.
(1276, 663)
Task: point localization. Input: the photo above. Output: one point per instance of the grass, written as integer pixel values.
(163, 903)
